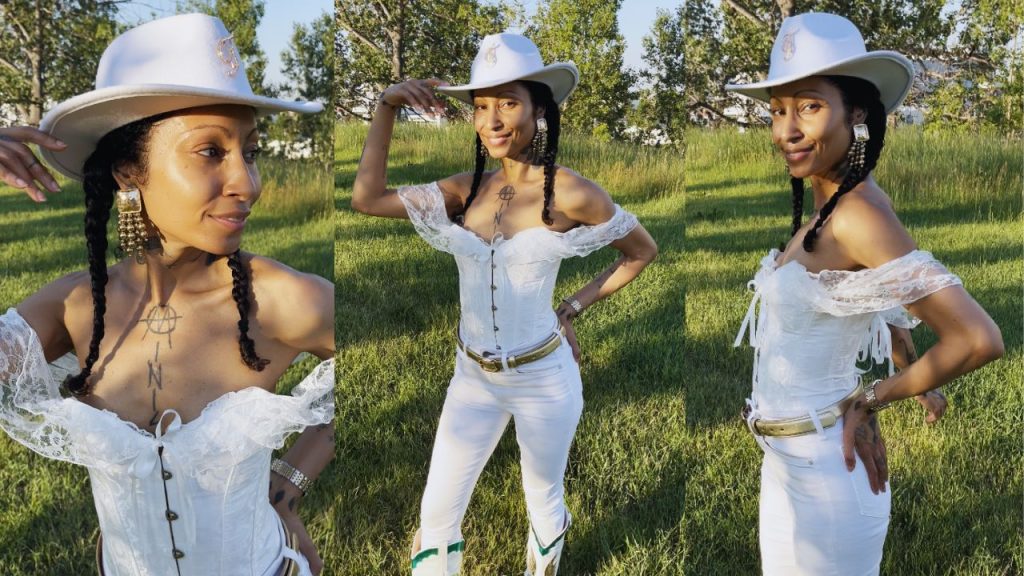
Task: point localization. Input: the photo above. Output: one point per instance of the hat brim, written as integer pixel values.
(81, 122)
(890, 72)
(561, 77)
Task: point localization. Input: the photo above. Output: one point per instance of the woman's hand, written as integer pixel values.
(19, 167)
(418, 94)
(566, 315)
(862, 435)
(934, 402)
(306, 546)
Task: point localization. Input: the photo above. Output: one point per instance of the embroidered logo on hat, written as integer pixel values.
(491, 56)
(228, 54)
(789, 44)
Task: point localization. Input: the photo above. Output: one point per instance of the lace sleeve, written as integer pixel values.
(425, 206)
(29, 395)
(583, 240)
(892, 285)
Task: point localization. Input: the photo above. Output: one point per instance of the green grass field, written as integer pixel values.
(397, 309)
(47, 521)
(957, 487)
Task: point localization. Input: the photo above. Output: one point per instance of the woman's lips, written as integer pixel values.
(797, 155)
(234, 221)
(498, 140)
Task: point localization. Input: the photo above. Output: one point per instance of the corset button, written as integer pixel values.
(172, 515)
(178, 554)
(494, 308)
(167, 475)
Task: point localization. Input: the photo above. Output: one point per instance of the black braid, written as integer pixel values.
(797, 184)
(540, 96)
(241, 292)
(125, 145)
(478, 174)
(861, 94)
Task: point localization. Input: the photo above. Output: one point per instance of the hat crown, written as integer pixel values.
(193, 50)
(813, 41)
(504, 55)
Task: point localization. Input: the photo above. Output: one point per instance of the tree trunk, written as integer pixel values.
(36, 59)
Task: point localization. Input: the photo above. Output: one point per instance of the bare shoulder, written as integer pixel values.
(456, 189)
(580, 198)
(47, 310)
(291, 304)
(867, 228)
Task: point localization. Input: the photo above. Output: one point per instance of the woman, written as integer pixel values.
(826, 298)
(508, 230)
(181, 342)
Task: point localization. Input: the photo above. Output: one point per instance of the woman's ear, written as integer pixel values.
(538, 112)
(859, 115)
(123, 177)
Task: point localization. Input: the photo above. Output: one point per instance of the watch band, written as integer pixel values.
(291, 474)
(869, 394)
(574, 304)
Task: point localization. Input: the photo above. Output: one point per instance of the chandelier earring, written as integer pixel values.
(855, 156)
(539, 144)
(131, 230)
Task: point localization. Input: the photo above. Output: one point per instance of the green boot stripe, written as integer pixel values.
(545, 549)
(424, 554)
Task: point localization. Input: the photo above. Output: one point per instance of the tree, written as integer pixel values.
(661, 106)
(587, 33)
(381, 42)
(49, 51)
(308, 63)
(241, 18)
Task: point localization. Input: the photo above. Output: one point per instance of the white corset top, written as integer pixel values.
(505, 288)
(190, 499)
(812, 329)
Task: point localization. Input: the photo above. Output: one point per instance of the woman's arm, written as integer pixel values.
(903, 355)
(589, 204)
(370, 194)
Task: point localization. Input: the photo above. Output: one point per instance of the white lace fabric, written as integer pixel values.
(810, 330)
(212, 472)
(506, 287)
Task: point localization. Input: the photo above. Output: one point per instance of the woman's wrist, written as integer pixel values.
(572, 307)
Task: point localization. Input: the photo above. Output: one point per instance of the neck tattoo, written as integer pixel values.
(505, 196)
(161, 320)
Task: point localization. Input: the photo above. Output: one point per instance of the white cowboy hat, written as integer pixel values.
(507, 57)
(161, 66)
(818, 44)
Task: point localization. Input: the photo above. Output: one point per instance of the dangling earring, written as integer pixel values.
(483, 151)
(855, 156)
(539, 144)
(131, 231)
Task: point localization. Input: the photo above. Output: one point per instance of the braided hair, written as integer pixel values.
(856, 93)
(540, 97)
(127, 146)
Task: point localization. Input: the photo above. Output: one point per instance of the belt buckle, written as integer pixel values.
(490, 365)
(745, 415)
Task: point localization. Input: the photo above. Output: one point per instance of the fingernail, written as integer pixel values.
(61, 144)
(21, 183)
(53, 187)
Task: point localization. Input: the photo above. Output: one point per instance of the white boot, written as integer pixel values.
(543, 560)
(431, 562)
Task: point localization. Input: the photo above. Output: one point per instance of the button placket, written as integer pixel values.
(494, 305)
(169, 515)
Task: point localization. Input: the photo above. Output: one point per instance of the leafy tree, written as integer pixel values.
(587, 33)
(241, 17)
(661, 108)
(49, 51)
(308, 64)
(381, 42)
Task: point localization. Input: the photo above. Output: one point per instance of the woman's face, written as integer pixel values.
(505, 119)
(201, 180)
(810, 126)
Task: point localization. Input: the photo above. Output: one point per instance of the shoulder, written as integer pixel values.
(581, 199)
(456, 189)
(291, 305)
(866, 227)
(48, 310)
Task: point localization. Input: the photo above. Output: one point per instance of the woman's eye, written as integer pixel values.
(210, 152)
(775, 111)
(509, 104)
(810, 107)
(252, 153)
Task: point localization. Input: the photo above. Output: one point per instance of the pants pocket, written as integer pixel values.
(794, 451)
(870, 504)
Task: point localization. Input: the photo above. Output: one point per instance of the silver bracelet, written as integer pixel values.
(869, 394)
(574, 304)
(291, 474)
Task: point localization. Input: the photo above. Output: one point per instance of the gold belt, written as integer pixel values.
(801, 425)
(493, 363)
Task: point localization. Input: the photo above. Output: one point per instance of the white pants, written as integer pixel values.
(818, 519)
(545, 398)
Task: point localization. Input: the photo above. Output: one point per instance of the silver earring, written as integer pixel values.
(860, 133)
(131, 231)
(539, 144)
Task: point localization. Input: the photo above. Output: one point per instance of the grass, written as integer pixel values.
(957, 487)
(47, 520)
(397, 308)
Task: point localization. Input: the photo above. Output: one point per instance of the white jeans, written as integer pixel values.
(545, 398)
(818, 519)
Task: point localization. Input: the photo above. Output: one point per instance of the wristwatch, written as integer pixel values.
(291, 474)
(869, 394)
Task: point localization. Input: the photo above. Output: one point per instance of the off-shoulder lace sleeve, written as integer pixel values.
(425, 206)
(583, 240)
(892, 285)
(29, 395)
